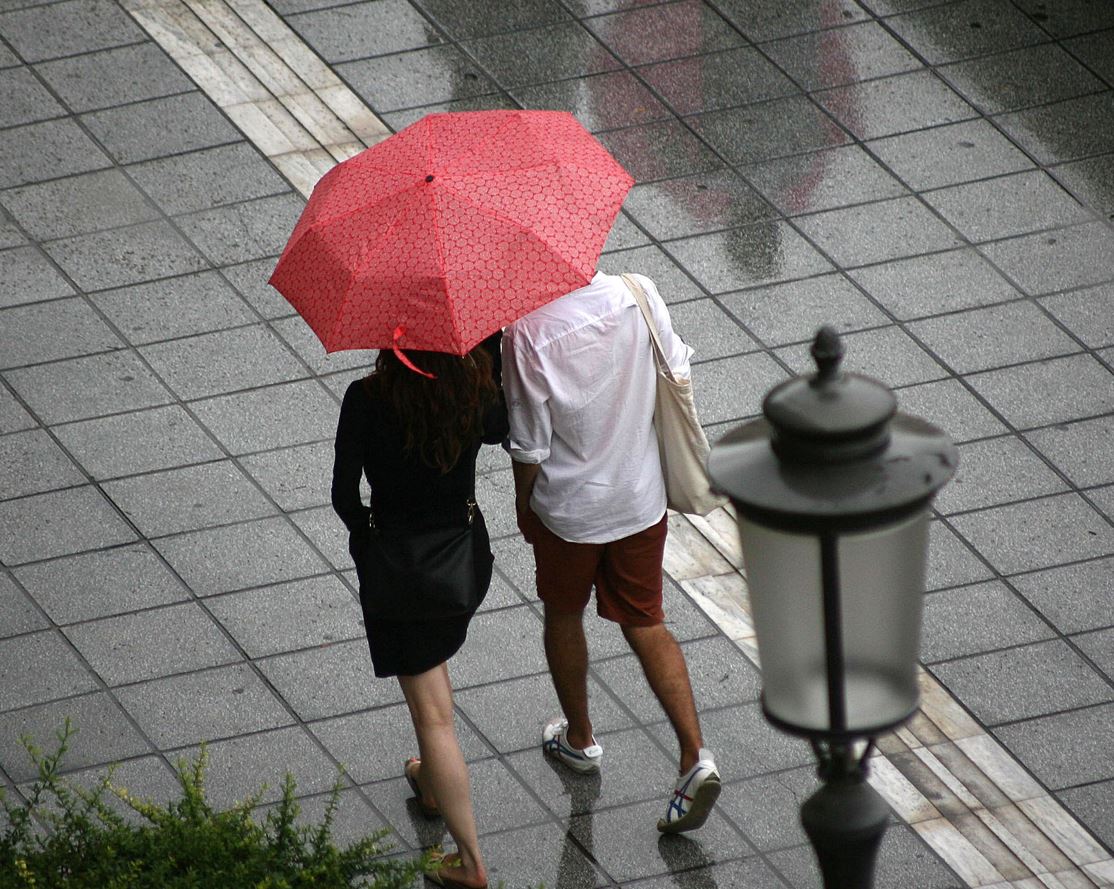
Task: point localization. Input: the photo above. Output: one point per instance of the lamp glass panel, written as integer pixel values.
(881, 575)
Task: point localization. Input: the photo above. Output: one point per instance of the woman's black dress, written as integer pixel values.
(404, 490)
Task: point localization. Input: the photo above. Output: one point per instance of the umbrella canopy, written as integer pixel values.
(451, 229)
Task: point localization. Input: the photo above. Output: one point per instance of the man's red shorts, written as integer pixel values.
(626, 574)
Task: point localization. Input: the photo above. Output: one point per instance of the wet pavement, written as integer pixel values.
(933, 179)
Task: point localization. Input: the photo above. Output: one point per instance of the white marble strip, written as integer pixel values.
(298, 112)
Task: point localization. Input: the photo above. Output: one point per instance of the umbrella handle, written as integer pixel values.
(399, 331)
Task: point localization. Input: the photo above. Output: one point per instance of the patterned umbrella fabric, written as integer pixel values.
(450, 229)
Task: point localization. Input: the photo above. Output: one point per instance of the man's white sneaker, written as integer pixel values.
(553, 744)
(694, 795)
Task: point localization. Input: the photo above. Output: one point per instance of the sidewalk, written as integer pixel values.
(933, 179)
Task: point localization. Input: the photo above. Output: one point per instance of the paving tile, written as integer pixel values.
(357, 30)
(103, 735)
(754, 873)
(498, 713)
(284, 617)
(277, 416)
(627, 845)
(733, 388)
(184, 183)
(878, 232)
(501, 645)
(762, 20)
(23, 99)
(965, 29)
(981, 339)
(1066, 749)
(552, 52)
(248, 230)
(18, 613)
(92, 81)
(793, 312)
(951, 406)
(137, 132)
(1094, 49)
(250, 280)
(161, 642)
(125, 256)
(45, 150)
(951, 561)
(766, 807)
(823, 180)
(101, 583)
(58, 523)
(48, 667)
(204, 706)
(763, 253)
(656, 33)
(1022, 683)
(1035, 75)
(329, 680)
(624, 234)
(1103, 499)
(768, 130)
(692, 205)
(1038, 534)
(239, 768)
(296, 478)
(418, 77)
(31, 463)
(554, 860)
(1099, 647)
(464, 18)
(79, 388)
(886, 353)
(188, 498)
(980, 481)
(353, 821)
(663, 150)
(142, 441)
(48, 331)
(8, 59)
(1090, 181)
(1068, 16)
(1065, 130)
(301, 338)
(223, 361)
(717, 80)
(895, 104)
(173, 307)
(1009, 205)
(13, 417)
(234, 557)
(10, 235)
(940, 282)
(709, 330)
(325, 531)
(1074, 597)
(1083, 451)
(1051, 391)
(374, 744)
(673, 284)
(63, 29)
(599, 102)
(398, 120)
(1058, 260)
(841, 56)
(1091, 805)
(949, 155)
(979, 618)
(30, 277)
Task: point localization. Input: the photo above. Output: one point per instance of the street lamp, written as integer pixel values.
(832, 489)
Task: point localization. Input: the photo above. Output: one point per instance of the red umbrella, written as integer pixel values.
(450, 229)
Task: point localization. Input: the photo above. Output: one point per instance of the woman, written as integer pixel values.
(415, 429)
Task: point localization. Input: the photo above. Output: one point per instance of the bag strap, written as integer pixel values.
(640, 297)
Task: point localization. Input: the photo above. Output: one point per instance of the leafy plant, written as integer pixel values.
(70, 836)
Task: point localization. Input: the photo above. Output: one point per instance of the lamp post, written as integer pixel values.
(832, 489)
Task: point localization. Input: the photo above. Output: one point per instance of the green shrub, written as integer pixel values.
(70, 836)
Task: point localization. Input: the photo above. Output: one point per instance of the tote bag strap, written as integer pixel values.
(640, 298)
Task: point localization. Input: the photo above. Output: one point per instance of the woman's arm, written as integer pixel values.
(348, 462)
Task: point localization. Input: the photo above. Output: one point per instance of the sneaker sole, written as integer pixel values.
(583, 767)
(702, 803)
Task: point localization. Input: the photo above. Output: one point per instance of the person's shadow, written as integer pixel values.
(688, 863)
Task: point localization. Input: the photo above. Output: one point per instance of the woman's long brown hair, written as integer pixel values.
(442, 416)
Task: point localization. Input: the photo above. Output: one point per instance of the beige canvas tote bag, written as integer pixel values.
(681, 441)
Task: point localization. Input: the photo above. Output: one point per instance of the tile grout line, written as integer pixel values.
(295, 110)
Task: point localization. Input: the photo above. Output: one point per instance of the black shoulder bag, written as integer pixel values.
(423, 573)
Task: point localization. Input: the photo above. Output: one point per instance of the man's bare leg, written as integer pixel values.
(566, 651)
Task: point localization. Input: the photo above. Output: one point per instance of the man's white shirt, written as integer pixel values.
(579, 378)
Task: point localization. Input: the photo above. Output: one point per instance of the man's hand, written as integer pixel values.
(525, 474)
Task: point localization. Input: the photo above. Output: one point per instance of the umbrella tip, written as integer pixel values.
(429, 178)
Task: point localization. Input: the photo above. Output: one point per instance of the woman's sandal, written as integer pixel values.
(409, 771)
(440, 879)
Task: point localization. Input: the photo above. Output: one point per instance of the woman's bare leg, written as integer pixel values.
(443, 774)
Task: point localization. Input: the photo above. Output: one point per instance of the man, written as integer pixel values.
(580, 379)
